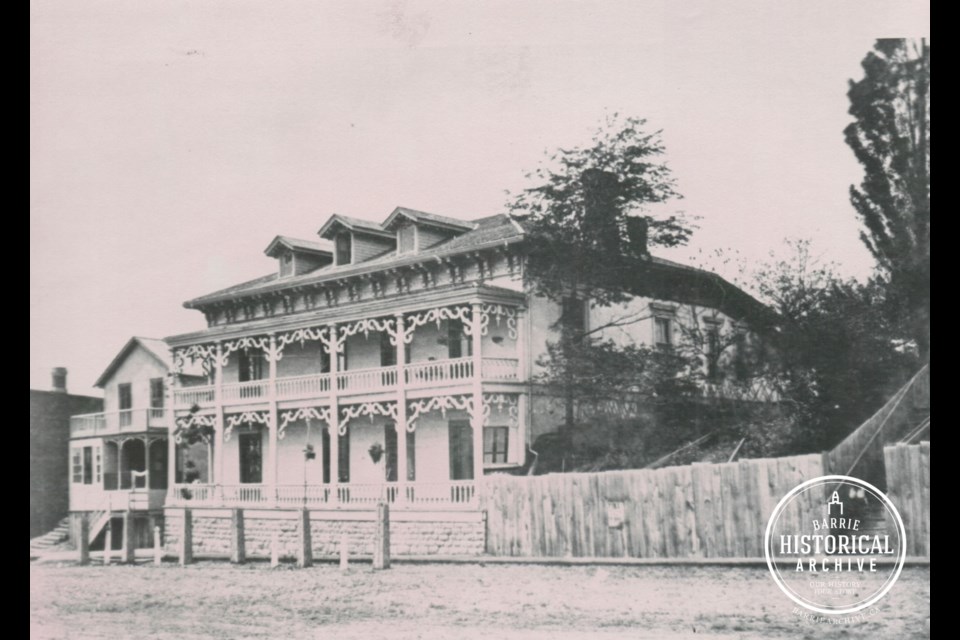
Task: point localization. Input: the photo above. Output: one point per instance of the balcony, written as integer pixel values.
(115, 422)
(454, 494)
(418, 375)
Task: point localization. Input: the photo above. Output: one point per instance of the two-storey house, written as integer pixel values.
(387, 361)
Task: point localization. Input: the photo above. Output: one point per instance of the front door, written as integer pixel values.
(251, 458)
(461, 450)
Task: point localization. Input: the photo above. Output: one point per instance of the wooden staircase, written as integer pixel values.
(52, 538)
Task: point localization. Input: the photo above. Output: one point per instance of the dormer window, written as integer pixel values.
(343, 248)
(406, 238)
(286, 265)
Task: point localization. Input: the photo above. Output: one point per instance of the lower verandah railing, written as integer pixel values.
(457, 494)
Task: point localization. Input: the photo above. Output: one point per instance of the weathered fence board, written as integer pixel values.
(701, 510)
(908, 487)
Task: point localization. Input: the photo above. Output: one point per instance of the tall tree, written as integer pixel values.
(890, 137)
(591, 211)
(590, 220)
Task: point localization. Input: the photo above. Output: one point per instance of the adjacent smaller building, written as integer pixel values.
(50, 413)
(118, 458)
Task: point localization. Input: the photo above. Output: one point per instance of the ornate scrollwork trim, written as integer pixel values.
(246, 342)
(501, 400)
(388, 409)
(499, 311)
(438, 315)
(192, 420)
(306, 413)
(206, 353)
(443, 403)
(247, 417)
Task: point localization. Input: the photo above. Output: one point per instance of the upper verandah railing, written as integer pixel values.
(429, 374)
(111, 422)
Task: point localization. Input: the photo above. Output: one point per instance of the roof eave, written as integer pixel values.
(200, 303)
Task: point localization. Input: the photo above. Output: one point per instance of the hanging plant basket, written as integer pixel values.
(376, 452)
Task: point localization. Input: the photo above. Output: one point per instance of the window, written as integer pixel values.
(495, 444)
(411, 455)
(343, 248)
(325, 454)
(98, 465)
(388, 352)
(459, 344)
(390, 455)
(251, 458)
(663, 332)
(461, 450)
(76, 465)
(125, 403)
(573, 316)
(251, 365)
(82, 466)
(286, 264)
(407, 238)
(156, 393)
(343, 458)
(712, 350)
(741, 368)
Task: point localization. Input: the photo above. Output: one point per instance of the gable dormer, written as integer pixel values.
(295, 256)
(417, 230)
(355, 240)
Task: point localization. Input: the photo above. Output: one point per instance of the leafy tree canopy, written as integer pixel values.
(589, 214)
(890, 136)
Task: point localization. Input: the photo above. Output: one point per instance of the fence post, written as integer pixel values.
(274, 550)
(305, 555)
(108, 542)
(344, 555)
(381, 545)
(238, 548)
(84, 542)
(157, 546)
(186, 539)
(129, 541)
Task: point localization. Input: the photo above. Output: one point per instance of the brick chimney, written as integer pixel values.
(637, 233)
(59, 375)
(600, 191)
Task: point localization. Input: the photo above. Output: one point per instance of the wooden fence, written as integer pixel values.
(695, 511)
(908, 487)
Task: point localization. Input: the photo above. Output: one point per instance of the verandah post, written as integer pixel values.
(401, 425)
(272, 424)
(332, 345)
(476, 325)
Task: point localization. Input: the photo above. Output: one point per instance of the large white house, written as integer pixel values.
(416, 337)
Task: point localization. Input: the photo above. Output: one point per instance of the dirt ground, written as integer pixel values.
(219, 600)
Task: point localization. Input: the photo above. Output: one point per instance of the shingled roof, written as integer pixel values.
(484, 233)
(428, 218)
(297, 244)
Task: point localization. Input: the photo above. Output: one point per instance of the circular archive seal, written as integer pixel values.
(835, 544)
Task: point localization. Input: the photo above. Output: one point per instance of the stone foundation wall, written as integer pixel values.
(212, 535)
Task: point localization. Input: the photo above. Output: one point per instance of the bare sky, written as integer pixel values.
(170, 141)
